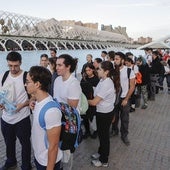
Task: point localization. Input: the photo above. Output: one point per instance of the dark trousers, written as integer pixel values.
(132, 99)
(154, 83)
(103, 121)
(22, 130)
(167, 76)
(160, 81)
(123, 113)
(41, 167)
(86, 123)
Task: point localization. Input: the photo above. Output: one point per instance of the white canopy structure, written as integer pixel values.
(160, 43)
(21, 25)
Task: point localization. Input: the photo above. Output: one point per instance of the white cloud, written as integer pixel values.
(140, 17)
(125, 5)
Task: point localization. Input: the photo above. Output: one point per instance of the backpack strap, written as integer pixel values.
(44, 109)
(4, 77)
(24, 77)
(128, 72)
(7, 73)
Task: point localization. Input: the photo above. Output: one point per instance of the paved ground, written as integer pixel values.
(150, 142)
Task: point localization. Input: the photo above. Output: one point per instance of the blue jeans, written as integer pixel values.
(22, 130)
(41, 167)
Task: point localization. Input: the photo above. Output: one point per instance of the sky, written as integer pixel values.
(141, 18)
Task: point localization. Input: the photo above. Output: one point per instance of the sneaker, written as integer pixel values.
(86, 135)
(161, 88)
(94, 135)
(95, 156)
(7, 167)
(98, 163)
(114, 133)
(144, 106)
(152, 99)
(125, 141)
(132, 109)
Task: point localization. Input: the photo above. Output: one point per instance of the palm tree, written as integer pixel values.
(2, 22)
(5, 29)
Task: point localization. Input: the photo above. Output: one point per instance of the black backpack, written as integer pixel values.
(7, 73)
(24, 80)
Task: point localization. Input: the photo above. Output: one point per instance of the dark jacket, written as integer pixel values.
(144, 70)
(157, 67)
(87, 88)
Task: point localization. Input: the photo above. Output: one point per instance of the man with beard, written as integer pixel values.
(16, 125)
(127, 81)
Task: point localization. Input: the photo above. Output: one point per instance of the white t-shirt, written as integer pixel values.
(167, 69)
(68, 89)
(124, 81)
(20, 96)
(53, 119)
(148, 58)
(105, 89)
(135, 68)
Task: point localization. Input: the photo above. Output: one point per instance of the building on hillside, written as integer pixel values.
(143, 40)
(91, 25)
(118, 30)
(79, 23)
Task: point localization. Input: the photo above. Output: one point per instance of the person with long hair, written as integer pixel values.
(104, 97)
(52, 65)
(67, 90)
(142, 88)
(127, 81)
(88, 84)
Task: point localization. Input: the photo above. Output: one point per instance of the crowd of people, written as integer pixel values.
(114, 84)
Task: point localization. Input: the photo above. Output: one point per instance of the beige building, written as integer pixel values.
(79, 23)
(91, 25)
(118, 30)
(143, 40)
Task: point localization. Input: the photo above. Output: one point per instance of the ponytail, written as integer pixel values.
(114, 73)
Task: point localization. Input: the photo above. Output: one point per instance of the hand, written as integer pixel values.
(124, 102)
(2, 107)
(32, 104)
(19, 107)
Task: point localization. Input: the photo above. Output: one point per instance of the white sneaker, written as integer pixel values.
(98, 163)
(95, 156)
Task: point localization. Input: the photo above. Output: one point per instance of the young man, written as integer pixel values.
(46, 158)
(96, 63)
(44, 60)
(104, 55)
(128, 86)
(53, 52)
(17, 124)
(148, 55)
(67, 88)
